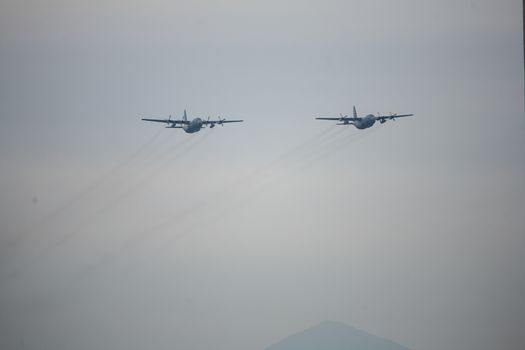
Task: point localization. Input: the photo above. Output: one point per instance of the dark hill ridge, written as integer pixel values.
(330, 335)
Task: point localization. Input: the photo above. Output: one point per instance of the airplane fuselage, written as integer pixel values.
(365, 122)
(193, 126)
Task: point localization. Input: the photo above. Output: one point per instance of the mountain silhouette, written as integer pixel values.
(330, 335)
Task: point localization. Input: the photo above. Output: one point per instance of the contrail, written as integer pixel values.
(331, 148)
(223, 195)
(108, 259)
(301, 150)
(338, 146)
(84, 193)
(182, 148)
(64, 238)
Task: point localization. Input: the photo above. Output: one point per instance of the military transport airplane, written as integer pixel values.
(191, 126)
(366, 121)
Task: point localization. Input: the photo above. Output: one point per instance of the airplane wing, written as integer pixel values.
(383, 118)
(167, 121)
(350, 119)
(221, 121)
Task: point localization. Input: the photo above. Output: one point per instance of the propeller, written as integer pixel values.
(169, 124)
(221, 121)
(342, 116)
(212, 125)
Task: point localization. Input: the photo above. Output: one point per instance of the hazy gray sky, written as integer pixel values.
(118, 234)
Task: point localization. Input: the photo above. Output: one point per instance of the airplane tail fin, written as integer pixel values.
(355, 113)
(184, 117)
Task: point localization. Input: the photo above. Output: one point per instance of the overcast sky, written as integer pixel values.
(119, 234)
